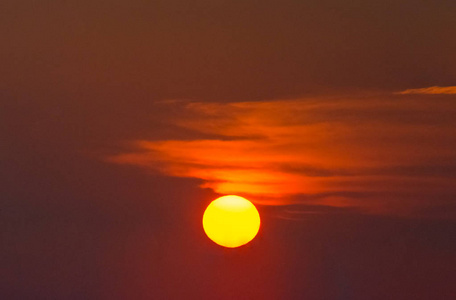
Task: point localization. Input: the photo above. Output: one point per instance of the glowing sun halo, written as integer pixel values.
(231, 221)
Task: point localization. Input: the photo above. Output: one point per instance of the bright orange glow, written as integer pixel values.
(320, 151)
(231, 221)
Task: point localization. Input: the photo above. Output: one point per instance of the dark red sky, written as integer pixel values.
(121, 121)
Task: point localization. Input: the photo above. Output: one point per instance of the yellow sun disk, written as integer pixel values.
(231, 221)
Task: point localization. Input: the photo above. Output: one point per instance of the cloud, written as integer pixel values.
(433, 90)
(341, 152)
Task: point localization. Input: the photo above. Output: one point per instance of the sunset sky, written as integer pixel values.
(121, 121)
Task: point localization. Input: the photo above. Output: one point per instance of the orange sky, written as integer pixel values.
(121, 120)
(333, 146)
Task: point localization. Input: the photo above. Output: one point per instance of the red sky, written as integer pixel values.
(121, 121)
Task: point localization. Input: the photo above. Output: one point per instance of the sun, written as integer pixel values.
(231, 221)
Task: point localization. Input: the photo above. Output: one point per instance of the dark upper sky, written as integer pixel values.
(335, 117)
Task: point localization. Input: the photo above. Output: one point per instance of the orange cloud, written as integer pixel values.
(433, 90)
(335, 148)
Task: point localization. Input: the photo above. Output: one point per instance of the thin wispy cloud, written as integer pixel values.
(317, 150)
(433, 90)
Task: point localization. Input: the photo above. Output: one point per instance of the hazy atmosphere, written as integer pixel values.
(121, 121)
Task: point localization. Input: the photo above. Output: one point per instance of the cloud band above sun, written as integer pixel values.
(346, 151)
